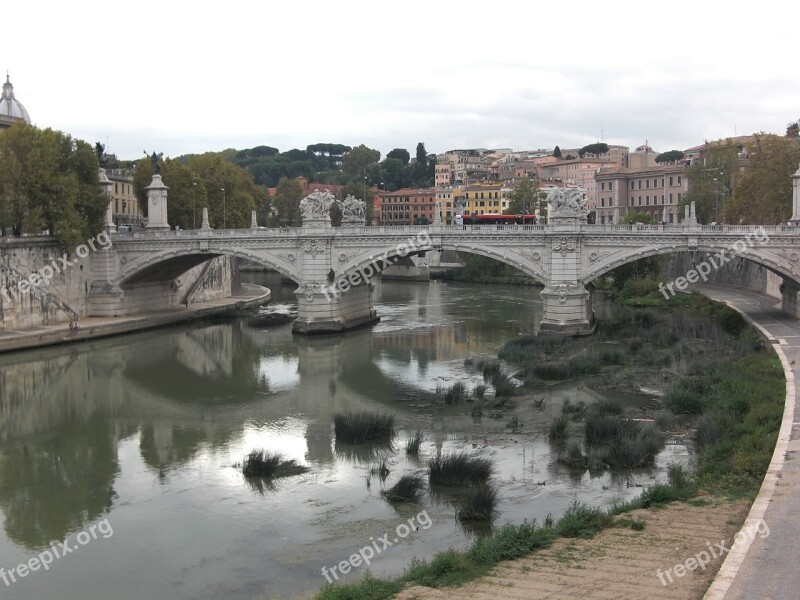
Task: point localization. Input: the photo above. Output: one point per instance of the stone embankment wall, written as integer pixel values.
(740, 273)
(66, 297)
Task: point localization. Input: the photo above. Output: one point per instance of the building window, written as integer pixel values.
(679, 196)
(640, 200)
(670, 180)
(679, 179)
(647, 184)
(610, 186)
(647, 200)
(640, 184)
(602, 187)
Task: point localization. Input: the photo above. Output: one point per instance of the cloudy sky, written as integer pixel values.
(180, 77)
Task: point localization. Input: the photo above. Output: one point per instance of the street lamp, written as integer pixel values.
(223, 206)
(194, 212)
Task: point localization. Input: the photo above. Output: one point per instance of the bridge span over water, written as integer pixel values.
(333, 266)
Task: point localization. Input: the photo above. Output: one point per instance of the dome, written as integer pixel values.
(11, 109)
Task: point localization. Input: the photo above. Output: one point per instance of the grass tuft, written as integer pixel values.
(360, 428)
(460, 469)
(262, 463)
(408, 488)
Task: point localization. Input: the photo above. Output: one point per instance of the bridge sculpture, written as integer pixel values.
(333, 266)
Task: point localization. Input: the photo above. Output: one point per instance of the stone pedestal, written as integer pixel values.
(108, 220)
(796, 197)
(157, 204)
(567, 310)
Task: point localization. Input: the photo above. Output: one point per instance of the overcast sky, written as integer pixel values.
(180, 77)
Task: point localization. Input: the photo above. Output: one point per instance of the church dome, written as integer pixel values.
(11, 109)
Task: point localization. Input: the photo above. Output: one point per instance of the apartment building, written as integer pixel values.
(486, 199)
(656, 191)
(407, 206)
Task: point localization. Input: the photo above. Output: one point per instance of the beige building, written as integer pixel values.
(656, 191)
(124, 205)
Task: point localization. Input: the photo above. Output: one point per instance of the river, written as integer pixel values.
(137, 436)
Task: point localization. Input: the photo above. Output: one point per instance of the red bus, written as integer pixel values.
(495, 219)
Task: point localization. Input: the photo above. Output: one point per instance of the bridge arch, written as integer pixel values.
(783, 266)
(392, 254)
(169, 264)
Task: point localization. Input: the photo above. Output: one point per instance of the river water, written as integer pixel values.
(137, 436)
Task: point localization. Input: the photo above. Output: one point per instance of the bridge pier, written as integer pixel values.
(567, 310)
(324, 309)
(790, 295)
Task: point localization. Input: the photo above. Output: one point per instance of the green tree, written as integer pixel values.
(633, 217)
(394, 174)
(198, 184)
(355, 162)
(49, 181)
(595, 149)
(712, 180)
(557, 152)
(793, 129)
(287, 202)
(672, 156)
(401, 154)
(524, 198)
(763, 193)
(421, 166)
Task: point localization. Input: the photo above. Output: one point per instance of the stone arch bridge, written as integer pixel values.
(333, 266)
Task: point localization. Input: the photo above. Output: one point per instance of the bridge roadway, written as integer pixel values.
(333, 265)
(767, 568)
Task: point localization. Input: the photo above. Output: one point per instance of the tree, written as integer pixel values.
(712, 180)
(595, 149)
(198, 184)
(672, 156)
(394, 174)
(421, 166)
(524, 199)
(793, 129)
(49, 181)
(287, 199)
(557, 152)
(401, 154)
(355, 162)
(763, 193)
(633, 217)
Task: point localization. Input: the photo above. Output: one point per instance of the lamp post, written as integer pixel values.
(716, 198)
(194, 212)
(223, 206)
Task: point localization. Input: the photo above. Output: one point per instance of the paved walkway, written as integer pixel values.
(96, 327)
(768, 569)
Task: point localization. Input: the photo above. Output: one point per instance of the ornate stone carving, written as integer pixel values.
(354, 211)
(316, 208)
(563, 246)
(313, 248)
(568, 206)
